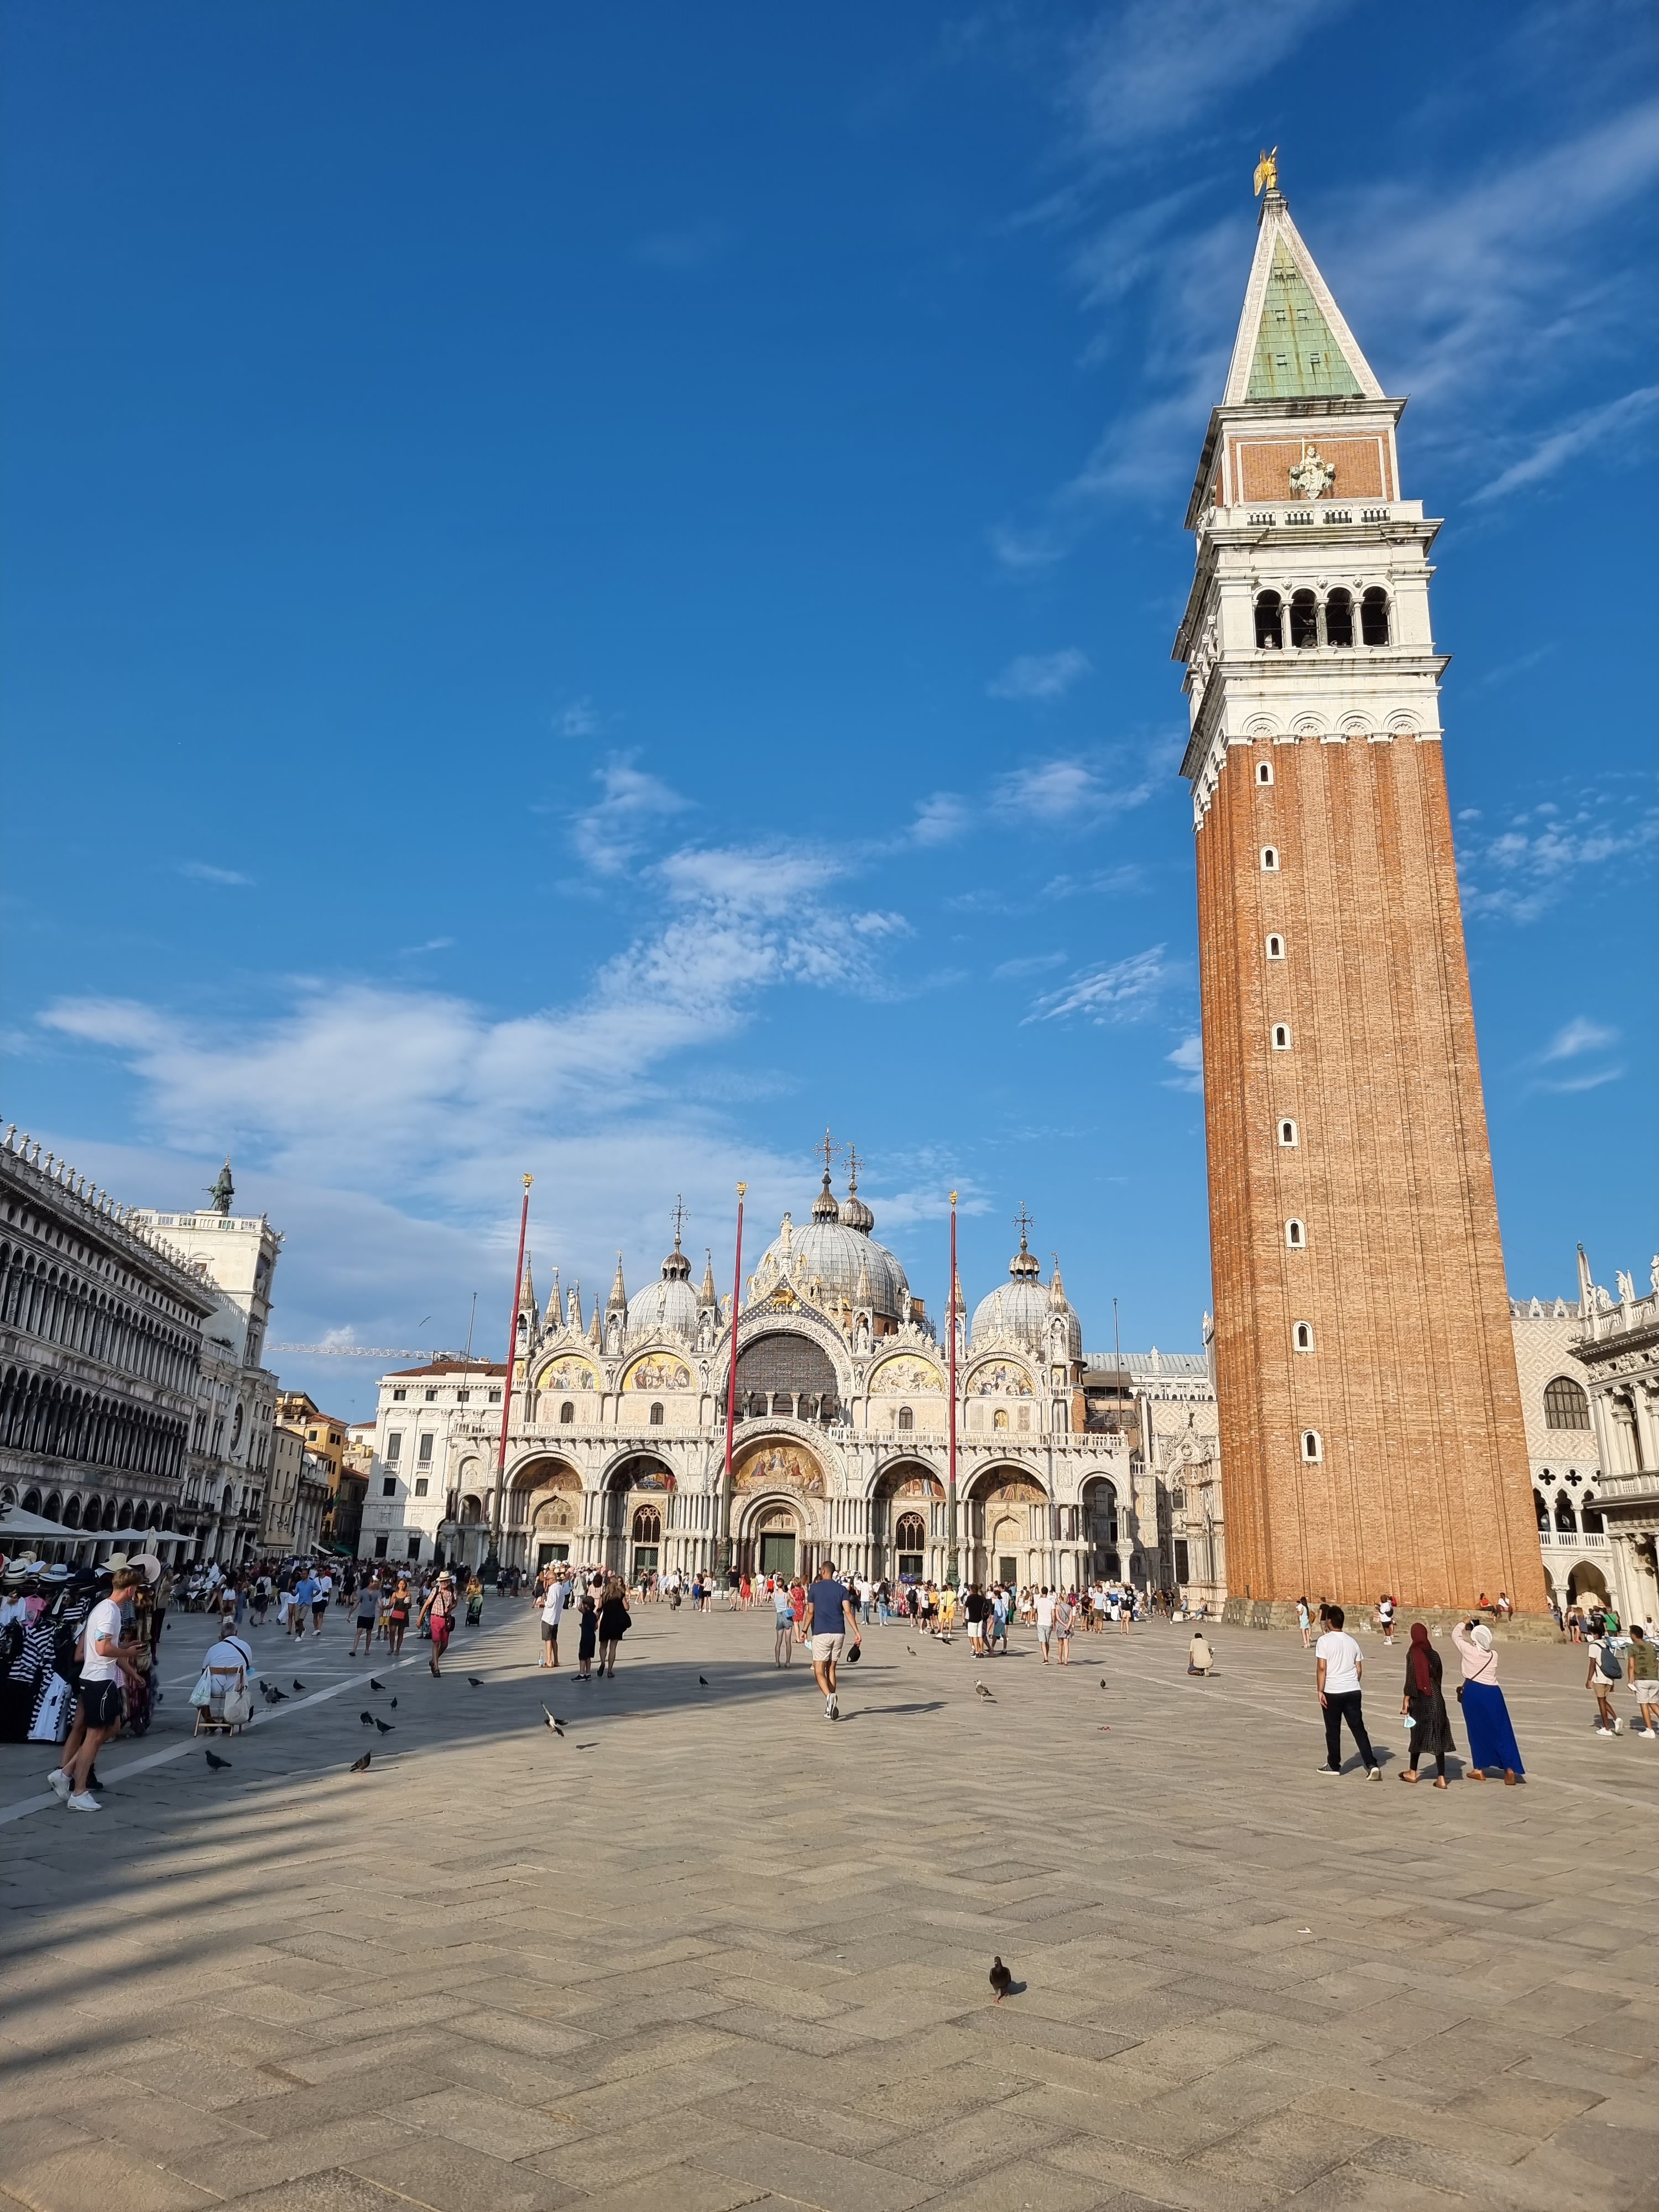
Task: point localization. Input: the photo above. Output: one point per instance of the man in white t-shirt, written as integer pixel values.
(1339, 1664)
(553, 1605)
(1045, 1620)
(98, 1706)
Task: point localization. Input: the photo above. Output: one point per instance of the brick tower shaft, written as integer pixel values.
(1371, 1433)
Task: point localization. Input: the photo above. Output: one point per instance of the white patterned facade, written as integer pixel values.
(615, 1430)
(1617, 1349)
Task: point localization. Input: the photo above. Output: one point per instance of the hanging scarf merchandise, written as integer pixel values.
(1421, 1673)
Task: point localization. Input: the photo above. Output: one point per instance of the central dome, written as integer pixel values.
(669, 1305)
(836, 1259)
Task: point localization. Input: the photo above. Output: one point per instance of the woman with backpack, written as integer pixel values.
(1606, 1672)
(1487, 1717)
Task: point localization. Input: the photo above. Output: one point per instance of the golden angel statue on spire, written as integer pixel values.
(1267, 172)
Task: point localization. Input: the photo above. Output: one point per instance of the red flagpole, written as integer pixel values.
(506, 1393)
(953, 1564)
(732, 1393)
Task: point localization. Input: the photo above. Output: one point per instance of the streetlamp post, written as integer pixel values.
(723, 1555)
(953, 1558)
(494, 1559)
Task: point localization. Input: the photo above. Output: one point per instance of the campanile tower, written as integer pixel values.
(1370, 1419)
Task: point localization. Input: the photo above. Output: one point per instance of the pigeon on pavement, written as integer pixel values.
(703, 1678)
(216, 1763)
(374, 1684)
(276, 1697)
(475, 1683)
(1001, 1979)
(394, 1705)
(385, 1727)
(360, 1765)
(556, 1725)
(980, 1691)
(368, 1719)
(299, 1686)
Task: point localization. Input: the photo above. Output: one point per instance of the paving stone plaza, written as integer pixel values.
(708, 1950)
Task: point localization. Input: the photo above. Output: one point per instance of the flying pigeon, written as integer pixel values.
(1001, 1979)
(911, 1649)
(215, 1763)
(980, 1691)
(360, 1765)
(385, 1727)
(374, 1684)
(556, 1725)
(299, 1686)
(475, 1683)
(368, 1719)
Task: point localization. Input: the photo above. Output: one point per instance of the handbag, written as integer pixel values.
(237, 1708)
(202, 1695)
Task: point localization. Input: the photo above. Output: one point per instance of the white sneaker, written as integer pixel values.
(85, 1803)
(1373, 1774)
(1618, 1727)
(60, 1784)
(1601, 1728)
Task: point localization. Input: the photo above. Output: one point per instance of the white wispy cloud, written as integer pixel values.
(940, 819)
(1551, 453)
(1189, 1058)
(1032, 963)
(1576, 1043)
(1154, 66)
(1040, 676)
(610, 835)
(441, 1091)
(203, 872)
(1079, 790)
(1123, 991)
(581, 718)
(1520, 871)
(1576, 1037)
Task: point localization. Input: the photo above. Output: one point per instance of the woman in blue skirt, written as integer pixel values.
(1486, 1716)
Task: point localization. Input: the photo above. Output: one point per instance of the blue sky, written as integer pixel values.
(590, 591)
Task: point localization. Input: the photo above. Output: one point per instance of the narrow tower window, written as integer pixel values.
(567, 1414)
(1374, 616)
(1312, 1448)
(1304, 619)
(1269, 632)
(1264, 771)
(1339, 618)
(1287, 1133)
(906, 1419)
(656, 1416)
(1269, 860)
(1303, 1336)
(1275, 946)
(1281, 1036)
(1295, 1236)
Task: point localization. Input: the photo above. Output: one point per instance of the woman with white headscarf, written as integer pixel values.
(1487, 1717)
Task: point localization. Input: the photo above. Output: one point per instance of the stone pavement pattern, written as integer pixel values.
(709, 1951)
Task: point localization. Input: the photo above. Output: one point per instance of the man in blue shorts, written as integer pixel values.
(830, 1612)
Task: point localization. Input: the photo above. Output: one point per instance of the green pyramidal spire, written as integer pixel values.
(1296, 356)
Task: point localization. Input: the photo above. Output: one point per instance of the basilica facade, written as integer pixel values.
(616, 1427)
